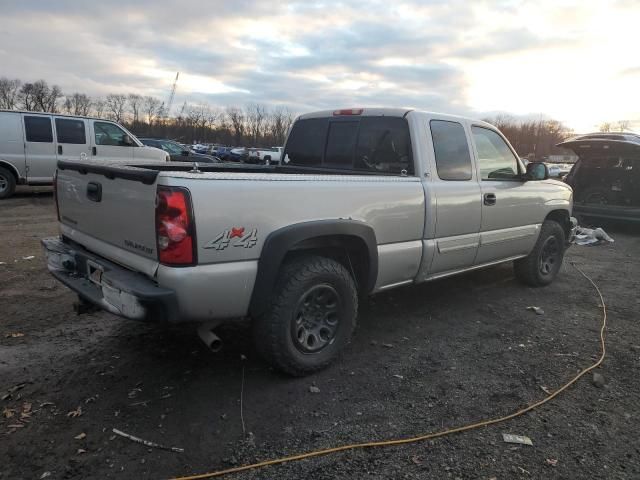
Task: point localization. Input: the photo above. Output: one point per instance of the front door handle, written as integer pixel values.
(59, 149)
(489, 199)
(94, 151)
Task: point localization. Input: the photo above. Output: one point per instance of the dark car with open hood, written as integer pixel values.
(606, 177)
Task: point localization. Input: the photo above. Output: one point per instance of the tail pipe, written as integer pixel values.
(208, 336)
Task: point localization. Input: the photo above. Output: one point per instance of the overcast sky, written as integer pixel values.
(576, 61)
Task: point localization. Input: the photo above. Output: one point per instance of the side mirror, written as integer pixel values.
(536, 171)
(127, 141)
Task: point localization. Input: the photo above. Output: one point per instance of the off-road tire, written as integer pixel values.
(274, 331)
(529, 270)
(7, 183)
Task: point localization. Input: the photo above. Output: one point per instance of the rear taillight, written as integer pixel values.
(55, 192)
(175, 229)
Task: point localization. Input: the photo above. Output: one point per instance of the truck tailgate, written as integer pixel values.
(112, 215)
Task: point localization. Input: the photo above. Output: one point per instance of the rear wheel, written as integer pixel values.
(7, 183)
(541, 266)
(311, 317)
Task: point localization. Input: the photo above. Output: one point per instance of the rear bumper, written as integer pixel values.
(108, 285)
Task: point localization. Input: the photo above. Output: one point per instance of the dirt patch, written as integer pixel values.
(423, 358)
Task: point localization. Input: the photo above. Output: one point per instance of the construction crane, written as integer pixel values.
(173, 92)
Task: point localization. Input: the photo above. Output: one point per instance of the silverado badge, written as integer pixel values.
(236, 237)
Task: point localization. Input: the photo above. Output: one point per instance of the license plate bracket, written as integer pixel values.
(94, 272)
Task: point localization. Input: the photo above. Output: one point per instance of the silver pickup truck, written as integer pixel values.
(364, 200)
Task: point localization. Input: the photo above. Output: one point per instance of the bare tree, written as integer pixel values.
(77, 104)
(237, 119)
(623, 125)
(255, 115)
(151, 108)
(278, 123)
(38, 96)
(27, 97)
(9, 92)
(116, 106)
(605, 127)
(135, 102)
(98, 107)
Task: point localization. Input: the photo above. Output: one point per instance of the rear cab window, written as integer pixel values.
(379, 145)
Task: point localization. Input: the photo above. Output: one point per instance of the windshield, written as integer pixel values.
(172, 147)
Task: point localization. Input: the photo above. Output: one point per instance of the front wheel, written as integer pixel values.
(542, 265)
(7, 183)
(311, 317)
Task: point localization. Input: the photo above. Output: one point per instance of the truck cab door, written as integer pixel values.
(39, 148)
(72, 142)
(109, 142)
(457, 199)
(510, 206)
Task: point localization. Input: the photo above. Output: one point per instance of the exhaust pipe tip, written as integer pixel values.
(216, 344)
(210, 339)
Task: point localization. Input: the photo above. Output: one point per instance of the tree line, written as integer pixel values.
(251, 125)
(146, 116)
(533, 139)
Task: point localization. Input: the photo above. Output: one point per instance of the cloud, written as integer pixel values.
(457, 56)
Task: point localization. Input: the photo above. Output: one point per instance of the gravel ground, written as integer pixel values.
(423, 358)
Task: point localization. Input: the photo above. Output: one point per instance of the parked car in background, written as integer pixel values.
(31, 143)
(606, 177)
(222, 153)
(238, 154)
(177, 153)
(368, 200)
(558, 170)
(201, 149)
(266, 156)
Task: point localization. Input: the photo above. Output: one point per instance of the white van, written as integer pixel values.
(31, 143)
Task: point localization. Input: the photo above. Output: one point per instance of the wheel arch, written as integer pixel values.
(333, 237)
(9, 166)
(562, 217)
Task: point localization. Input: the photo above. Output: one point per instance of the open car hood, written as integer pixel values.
(586, 145)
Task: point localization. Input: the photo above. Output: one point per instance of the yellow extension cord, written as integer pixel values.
(428, 436)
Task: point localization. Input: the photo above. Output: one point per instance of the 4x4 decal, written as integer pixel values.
(236, 237)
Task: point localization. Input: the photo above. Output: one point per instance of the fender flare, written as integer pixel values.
(13, 169)
(280, 242)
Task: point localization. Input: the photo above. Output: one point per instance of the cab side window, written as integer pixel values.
(495, 158)
(110, 134)
(70, 131)
(38, 129)
(451, 150)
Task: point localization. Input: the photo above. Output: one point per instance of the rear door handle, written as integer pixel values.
(59, 149)
(94, 151)
(489, 199)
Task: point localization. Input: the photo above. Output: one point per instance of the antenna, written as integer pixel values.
(173, 92)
